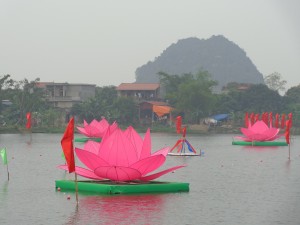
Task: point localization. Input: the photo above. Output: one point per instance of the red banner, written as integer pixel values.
(67, 145)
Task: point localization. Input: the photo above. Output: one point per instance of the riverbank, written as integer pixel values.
(200, 129)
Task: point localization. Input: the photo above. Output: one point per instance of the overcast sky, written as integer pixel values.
(104, 42)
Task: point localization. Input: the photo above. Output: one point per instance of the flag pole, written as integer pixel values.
(76, 188)
(7, 172)
(289, 152)
(6, 165)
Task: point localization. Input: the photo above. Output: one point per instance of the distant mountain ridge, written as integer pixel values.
(223, 59)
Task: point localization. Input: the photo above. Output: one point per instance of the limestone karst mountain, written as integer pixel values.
(223, 59)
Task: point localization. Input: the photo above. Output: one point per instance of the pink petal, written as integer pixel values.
(92, 146)
(118, 150)
(163, 151)
(159, 174)
(146, 149)
(135, 138)
(149, 164)
(89, 159)
(82, 131)
(247, 132)
(259, 127)
(118, 173)
(85, 123)
(82, 172)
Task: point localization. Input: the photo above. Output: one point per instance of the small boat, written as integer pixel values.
(184, 154)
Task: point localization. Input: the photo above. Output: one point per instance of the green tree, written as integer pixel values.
(5, 84)
(259, 98)
(125, 111)
(100, 105)
(275, 82)
(292, 103)
(191, 94)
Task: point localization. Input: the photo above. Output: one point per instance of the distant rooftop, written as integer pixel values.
(44, 84)
(138, 86)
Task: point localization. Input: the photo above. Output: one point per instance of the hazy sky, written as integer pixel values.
(104, 42)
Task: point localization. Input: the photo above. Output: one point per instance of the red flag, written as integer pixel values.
(67, 145)
(184, 132)
(256, 117)
(277, 120)
(178, 124)
(246, 119)
(287, 131)
(252, 118)
(290, 116)
(265, 117)
(271, 119)
(28, 123)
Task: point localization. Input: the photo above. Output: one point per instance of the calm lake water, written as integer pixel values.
(228, 185)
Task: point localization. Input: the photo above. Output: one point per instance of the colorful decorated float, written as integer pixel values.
(183, 146)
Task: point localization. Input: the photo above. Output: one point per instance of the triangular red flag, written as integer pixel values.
(178, 124)
(28, 123)
(67, 145)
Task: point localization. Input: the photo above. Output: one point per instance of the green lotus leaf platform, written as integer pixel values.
(85, 139)
(111, 188)
(260, 143)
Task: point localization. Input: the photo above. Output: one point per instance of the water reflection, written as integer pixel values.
(123, 209)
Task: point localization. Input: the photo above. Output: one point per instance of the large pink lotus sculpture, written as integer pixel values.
(121, 156)
(95, 129)
(259, 131)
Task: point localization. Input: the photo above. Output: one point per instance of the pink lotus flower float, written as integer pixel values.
(95, 129)
(259, 131)
(122, 156)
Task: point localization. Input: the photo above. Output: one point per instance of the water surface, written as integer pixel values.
(228, 185)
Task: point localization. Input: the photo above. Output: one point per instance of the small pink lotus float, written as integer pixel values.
(95, 129)
(259, 131)
(122, 156)
(259, 134)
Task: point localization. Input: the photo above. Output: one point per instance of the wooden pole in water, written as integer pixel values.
(76, 188)
(7, 171)
(289, 152)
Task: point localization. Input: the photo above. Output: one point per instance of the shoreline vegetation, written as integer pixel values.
(199, 129)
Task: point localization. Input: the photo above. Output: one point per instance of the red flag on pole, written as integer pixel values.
(28, 123)
(184, 132)
(67, 145)
(246, 119)
(287, 131)
(277, 120)
(271, 119)
(178, 124)
(252, 118)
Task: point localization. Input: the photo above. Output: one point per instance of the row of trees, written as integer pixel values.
(191, 95)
